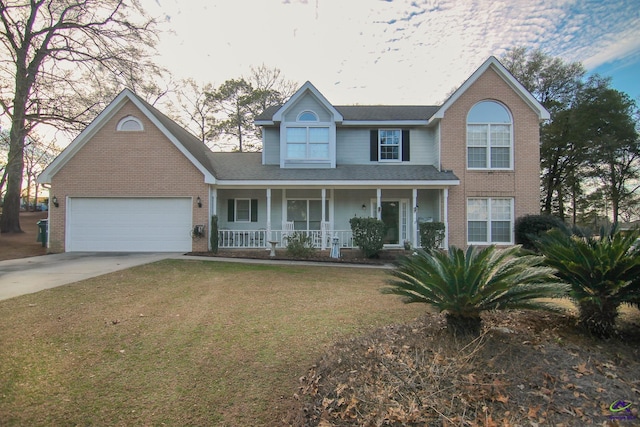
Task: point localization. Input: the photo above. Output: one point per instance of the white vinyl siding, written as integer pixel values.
(353, 146)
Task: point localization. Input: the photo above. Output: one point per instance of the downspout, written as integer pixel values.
(445, 218)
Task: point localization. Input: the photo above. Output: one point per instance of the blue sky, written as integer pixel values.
(392, 51)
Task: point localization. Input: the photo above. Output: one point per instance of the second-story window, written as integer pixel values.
(489, 141)
(307, 138)
(390, 145)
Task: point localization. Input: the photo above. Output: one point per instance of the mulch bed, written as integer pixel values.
(349, 256)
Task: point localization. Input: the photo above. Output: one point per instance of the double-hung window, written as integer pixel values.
(489, 137)
(489, 220)
(307, 139)
(242, 210)
(390, 145)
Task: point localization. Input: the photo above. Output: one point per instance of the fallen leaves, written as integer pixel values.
(417, 375)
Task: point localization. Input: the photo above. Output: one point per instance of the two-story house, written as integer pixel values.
(134, 180)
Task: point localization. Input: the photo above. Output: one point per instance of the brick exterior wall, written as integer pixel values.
(523, 183)
(127, 164)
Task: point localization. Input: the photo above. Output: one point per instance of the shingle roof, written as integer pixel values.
(374, 113)
(249, 167)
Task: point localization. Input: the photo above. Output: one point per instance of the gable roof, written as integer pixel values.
(192, 148)
(494, 64)
(307, 87)
(407, 114)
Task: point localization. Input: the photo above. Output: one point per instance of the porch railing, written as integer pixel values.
(242, 239)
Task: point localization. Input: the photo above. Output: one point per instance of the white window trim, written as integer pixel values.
(124, 120)
(511, 221)
(235, 211)
(489, 146)
(399, 159)
(307, 126)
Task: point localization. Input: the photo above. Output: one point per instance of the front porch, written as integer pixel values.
(253, 218)
(261, 238)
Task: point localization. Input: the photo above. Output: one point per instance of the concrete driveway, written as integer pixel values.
(28, 275)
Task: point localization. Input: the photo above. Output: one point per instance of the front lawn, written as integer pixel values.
(180, 342)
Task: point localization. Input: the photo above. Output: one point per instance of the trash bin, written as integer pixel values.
(42, 232)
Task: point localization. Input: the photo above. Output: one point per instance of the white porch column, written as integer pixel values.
(414, 218)
(323, 230)
(284, 208)
(378, 203)
(213, 202)
(445, 215)
(268, 236)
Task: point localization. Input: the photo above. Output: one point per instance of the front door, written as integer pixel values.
(390, 215)
(395, 216)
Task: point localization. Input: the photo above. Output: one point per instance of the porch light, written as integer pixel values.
(199, 202)
(55, 201)
(415, 209)
(364, 207)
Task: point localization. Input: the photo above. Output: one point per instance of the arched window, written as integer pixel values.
(130, 124)
(489, 136)
(307, 116)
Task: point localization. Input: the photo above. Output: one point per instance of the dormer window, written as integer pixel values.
(130, 124)
(308, 116)
(307, 139)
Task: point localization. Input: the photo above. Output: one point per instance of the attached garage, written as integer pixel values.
(110, 224)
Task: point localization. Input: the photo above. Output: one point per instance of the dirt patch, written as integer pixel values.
(526, 369)
(23, 245)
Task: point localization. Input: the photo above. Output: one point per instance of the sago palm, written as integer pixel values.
(603, 272)
(464, 284)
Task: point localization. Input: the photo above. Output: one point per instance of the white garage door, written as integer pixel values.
(128, 225)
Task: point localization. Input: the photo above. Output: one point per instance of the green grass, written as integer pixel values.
(180, 342)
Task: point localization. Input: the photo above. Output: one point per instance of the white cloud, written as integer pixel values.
(400, 51)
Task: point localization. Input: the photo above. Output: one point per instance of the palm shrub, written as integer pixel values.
(603, 272)
(464, 284)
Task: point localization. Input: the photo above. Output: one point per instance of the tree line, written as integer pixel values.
(63, 61)
(589, 150)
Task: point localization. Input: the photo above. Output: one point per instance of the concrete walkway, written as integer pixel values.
(29, 275)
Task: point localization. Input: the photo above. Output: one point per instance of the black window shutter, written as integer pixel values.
(231, 210)
(406, 147)
(254, 210)
(374, 145)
